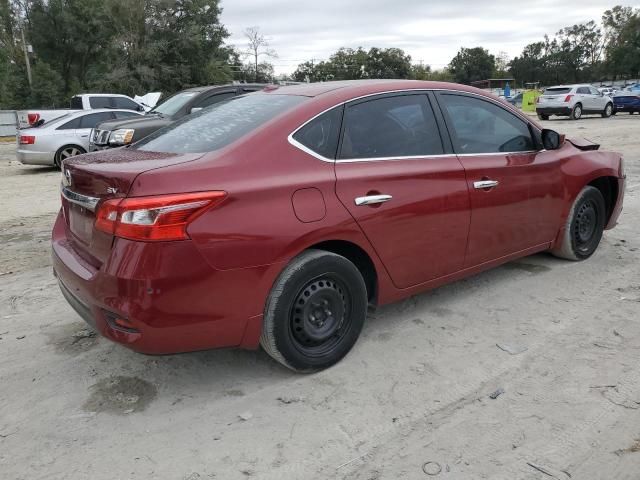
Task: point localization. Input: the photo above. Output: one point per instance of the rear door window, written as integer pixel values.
(100, 102)
(480, 126)
(125, 103)
(397, 126)
(583, 90)
(91, 120)
(321, 134)
(70, 125)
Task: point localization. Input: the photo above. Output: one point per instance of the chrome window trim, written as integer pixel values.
(307, 150)
(84, 201)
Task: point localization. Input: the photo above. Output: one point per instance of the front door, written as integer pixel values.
(515, 190)
(407, 193)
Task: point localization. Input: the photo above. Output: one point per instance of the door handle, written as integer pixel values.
(485, 184)
(372, 199)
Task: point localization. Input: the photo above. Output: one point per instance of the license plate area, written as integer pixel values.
(81, 222)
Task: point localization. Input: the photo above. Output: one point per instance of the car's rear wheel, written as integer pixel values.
(576, 113)
(608, 111)
(542, 116)
(584, 226)
(315, 311)
(67, 151)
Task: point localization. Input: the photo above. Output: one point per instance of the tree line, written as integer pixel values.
(124, 46)
(138, 46)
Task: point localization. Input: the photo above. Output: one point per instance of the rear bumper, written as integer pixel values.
(172, 299)
(28, 157)
(553, 110)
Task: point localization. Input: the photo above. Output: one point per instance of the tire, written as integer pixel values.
(314, 312)
(584, 226)
(542, 116)
(608, 111)
(65, 152)
(576, 113)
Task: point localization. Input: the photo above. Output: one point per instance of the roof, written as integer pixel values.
(350, 88)
(204, 88)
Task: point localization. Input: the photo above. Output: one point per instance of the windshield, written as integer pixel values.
(218, 125)
(172, 104)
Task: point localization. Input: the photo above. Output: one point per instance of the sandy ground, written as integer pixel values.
(411, 401)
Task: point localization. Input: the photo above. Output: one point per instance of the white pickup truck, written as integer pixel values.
(89, 101)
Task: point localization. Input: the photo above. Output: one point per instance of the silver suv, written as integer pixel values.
(573, 101)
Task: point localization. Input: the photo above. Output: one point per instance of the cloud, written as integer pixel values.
(429, 31)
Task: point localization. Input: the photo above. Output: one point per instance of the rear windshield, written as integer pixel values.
(219, 125)
(557, 91)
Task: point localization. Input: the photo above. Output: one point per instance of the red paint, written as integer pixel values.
(209, 290)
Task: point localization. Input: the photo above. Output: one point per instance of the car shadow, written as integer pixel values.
(34, 170)
(233, 370)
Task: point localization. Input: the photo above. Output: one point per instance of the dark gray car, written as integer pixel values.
(123, 132)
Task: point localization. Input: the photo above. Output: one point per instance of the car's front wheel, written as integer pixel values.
(542, 116)
(584, 226)
(608, 111)
(576, 113)
(315, 311)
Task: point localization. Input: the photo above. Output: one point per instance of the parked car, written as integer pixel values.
(89, 101)
(573, 101)
(515, 100)
(608, 91)
(63, 137)
(627, 102)
(277, 217)
(123, 132)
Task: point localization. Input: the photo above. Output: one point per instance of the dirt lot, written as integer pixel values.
(411, 401)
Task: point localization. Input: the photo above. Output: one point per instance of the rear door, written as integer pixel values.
(583, 96)
(403, 186)
(515, 190)
(89, 121)
(599, 100)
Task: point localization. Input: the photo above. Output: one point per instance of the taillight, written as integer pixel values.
(33, 118)
(27, 139)
(568, 98)
(160, 218)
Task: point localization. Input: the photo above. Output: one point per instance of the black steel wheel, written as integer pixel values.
(584, 226)
(315, 311)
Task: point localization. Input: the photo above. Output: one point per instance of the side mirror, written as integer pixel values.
(195, 109)
(551, 140)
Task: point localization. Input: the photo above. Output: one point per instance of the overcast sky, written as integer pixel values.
(431, 31)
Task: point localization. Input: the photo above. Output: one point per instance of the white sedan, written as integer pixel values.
(63, 137)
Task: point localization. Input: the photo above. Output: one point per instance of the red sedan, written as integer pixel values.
(277, 217)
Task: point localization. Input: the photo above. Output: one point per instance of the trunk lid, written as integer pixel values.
(90, 179)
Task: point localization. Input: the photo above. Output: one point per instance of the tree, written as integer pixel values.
(355, 64)
(472, 64)
(258, 45)
(622, 37)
